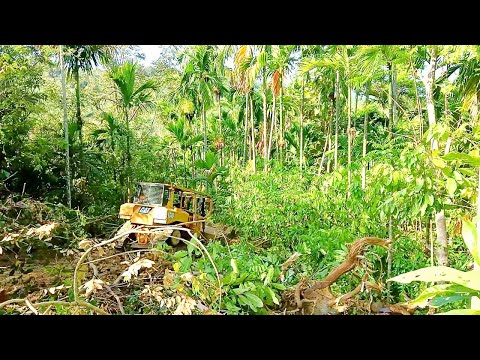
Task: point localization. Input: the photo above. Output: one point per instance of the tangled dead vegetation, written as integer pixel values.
(100, 276)
(318, 299)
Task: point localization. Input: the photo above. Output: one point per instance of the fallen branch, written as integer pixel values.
(298, 299)
(349, 263)
(288, 263)
(320, 294)
(30, 306)
(120, 306)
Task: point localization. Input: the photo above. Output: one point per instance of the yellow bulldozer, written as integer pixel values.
(156, 205)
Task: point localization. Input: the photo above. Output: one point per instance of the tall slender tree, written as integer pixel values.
(65, 130)
(429, 81)
(84, 58)
(199, 73)
(133, 98)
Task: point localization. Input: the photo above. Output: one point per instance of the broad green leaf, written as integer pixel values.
(451, 186)
(233, 264)
(273, 296)
(239, 291)
(269, 276)
(470, 236)
(185, 262)
(447, 171)
(464, 158)
(442, 300)
(242, 300)
(461, 312)
(227, 279)
(458, 176)
(430, 199)
(419, 183)
(423, 208)
(254, 299)
(467, 171)
(278, 286)
(441, 292)
(469, 279)
(180, 254)
(438, 162)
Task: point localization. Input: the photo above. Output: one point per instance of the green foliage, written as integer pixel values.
(249, 284)
(462, 285)
(124, 77)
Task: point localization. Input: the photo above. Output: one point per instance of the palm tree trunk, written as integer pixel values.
(281, 144)
(272, 124)
(193, 162)
(325, 147)
(364, 148)
(301, 126)
(204, 116)
(356, 106)
(252, 124)
(79, 117)
(114, 160)
(475, 302)
(349, 134)
(329, 149)
(185, 165)
(389, 256)
(428, 82)
(337, 110)
(127, 122)
(220, 127)
(390, 97)
(441, 250)
(329, 132)
(195, 132)
(65, 129)
(442, 242)
(245, 130)
(394, 94)
(417, 98)
(265, 145)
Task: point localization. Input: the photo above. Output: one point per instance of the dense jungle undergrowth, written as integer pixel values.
(344, 178)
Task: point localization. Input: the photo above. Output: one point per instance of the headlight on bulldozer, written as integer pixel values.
(160, 215)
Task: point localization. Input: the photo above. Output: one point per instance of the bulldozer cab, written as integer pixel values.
(171, 196)
(151, 194)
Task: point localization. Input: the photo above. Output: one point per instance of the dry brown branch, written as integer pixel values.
(120, 306)
(356, 248)
(288, 263)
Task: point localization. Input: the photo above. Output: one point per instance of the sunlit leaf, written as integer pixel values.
(469, 279)
(135, 268)
(464, 158)
(451, 186)
(438, 162)
(470, 236)
(439, 292)
(92, 286)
